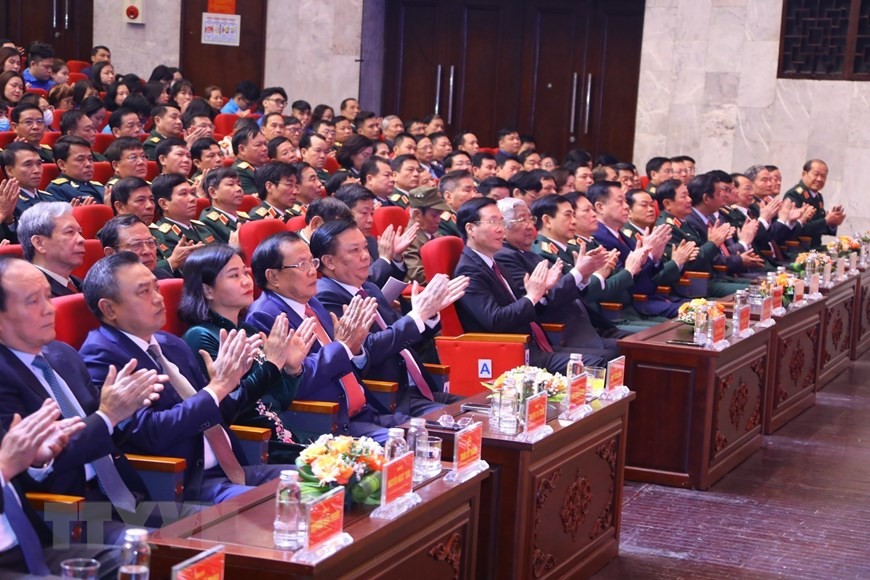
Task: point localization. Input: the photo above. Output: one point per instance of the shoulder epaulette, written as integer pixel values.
(799, 189)
(154, 226)
(213, 215)
(261, 211)
(197, 222)
(154, 139)
(60, 180)
(164, 228)
(243, 165)
(628, 232)
(96, 183)
(44, 146)
(243, 214)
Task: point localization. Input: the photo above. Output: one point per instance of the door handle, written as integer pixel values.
(573, 104)
(450, 98)
(588, 103)
(66, 14)
(54, 14)
(438, 90)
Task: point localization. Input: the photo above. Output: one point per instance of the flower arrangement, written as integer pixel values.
(800, 262)
(555, 384)
(282, 434)
(843, 245)
(686, 312)
(865, 237)
(332, 461)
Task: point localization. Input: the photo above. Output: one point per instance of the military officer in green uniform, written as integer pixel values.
(177, 199)
(167, 123)
(127, 158)
(658, 170)
(406, 173)
(277, 187)
(21, 162)
(456, 188)
(809, 192)
(252, 153)
(28, 123)
(76, 166)
(223, 218)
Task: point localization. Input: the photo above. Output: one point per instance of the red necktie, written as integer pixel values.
(72, 287)
(537, 332)
(722, 247)
(356, 396)
(410, 363)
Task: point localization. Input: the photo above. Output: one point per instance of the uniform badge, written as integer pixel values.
(164, 228)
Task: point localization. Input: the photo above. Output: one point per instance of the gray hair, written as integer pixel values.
(387, 120)
(508, 207)
(39, 220)
(753, 171)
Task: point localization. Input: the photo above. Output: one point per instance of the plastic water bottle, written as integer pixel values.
(508, 409)
(135, 555)
(289, 530)
(396, 446)
(572, 373)
(417, 432)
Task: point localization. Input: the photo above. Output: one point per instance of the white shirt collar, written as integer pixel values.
(295, 306)
(700, 215)
(139, 342)
(54, 275)
(487, 260)
(353, 290)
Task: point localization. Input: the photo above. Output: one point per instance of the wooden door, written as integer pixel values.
(67, 25)
(225, 66)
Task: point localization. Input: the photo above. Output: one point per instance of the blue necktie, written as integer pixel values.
(31, 548)
(107, 474)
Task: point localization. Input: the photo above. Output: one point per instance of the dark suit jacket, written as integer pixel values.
(323, 367)
(383, 346)
(380, 270)
(22, 393)
(699, 228)
(58, 289)
(170, 426)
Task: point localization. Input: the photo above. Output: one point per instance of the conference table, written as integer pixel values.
(550, 508)
(861, 330)
(436, 539)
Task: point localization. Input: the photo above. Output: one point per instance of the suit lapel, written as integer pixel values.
(20, 369)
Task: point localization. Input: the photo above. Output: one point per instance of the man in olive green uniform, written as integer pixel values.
(277, 187)
(252, 152)
(167, 123)
(177, 198)
(456, 188)
(223, 218)
(809, 191)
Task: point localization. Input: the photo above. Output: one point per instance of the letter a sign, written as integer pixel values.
(484, 368)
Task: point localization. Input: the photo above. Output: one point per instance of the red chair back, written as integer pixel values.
(331, 165)
(49, 171)
(73, 320)
(143, 136)
(249, 202)
(103, 171)
(57, 118)
(389, 215)
(227, 161)
(153, 171)
(12, 250)
(41, 92)
(91, 218)
(93, 253)
(224, 123)
(77, 66)
(7, 137)
(103, 141)
(440, 256)
(50, 138)
(201, 204)
(490, 150)
(252, 233)
(644, 182)
(170, 289)
(75, 77)
(295, 224)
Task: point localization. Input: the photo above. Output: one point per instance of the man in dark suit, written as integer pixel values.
(491, 303)
(388, 250)
(37, 367)
(190, 419)
(562, 303)
(51, 240)
(340, 248)
(287, 273)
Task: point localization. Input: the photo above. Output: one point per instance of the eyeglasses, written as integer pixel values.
(304, 265)
(526, 220)
(134, 158)
(32, 122)
(492, 222)
(136, 245)
(279, 102)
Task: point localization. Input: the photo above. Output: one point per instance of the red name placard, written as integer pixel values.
(202, 567)
(798, 290)
(616, 373)
(397, 478)
(777, 297)
(766, 308)
(536, 411)
(577, 392)
(468, 442)
(743, 321)
(718, 329)
(325, 518)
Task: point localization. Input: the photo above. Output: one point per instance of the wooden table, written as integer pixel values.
(795, 350)
(837, 334)
(437, 539)
(861, 330)
(552, 508)
(698, 413)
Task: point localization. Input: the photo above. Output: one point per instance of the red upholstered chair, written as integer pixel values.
(170, 289)
(252, 233)
(50, 138)
(153, 171)
(490, 150)
(103, 171)
(56, 119)
(227, 161)
(92, 218)
(49, 172)
(470, 356)
(73, 319)
(295, 224)
(224, 123)
(7, 137)
(331, 165)
(41, 92)
(143, 136)
(389, 215)
(249, 202)
(77, 66)
(93, 252)
(12, 250)
(75, 77)
(103, 141)
(201, 204)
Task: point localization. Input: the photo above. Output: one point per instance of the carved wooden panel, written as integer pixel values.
(796, 365)
(738, 401)
(574, 507)
(837, 330)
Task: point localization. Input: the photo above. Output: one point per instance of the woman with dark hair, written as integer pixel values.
(82, 90)
(181, 94)
(322, 112)
(115, 95)
(161, 74)
(95, 108)
(61, 97)
(102, 75)
(12, 87)
(10, 60)
(355, 151)
(156, 93)
(217, 288)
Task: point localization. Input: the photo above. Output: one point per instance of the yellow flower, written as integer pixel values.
(342, 444)
(326, 468)
(312, 452)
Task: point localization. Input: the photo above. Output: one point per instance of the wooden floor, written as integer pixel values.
(798, 508)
